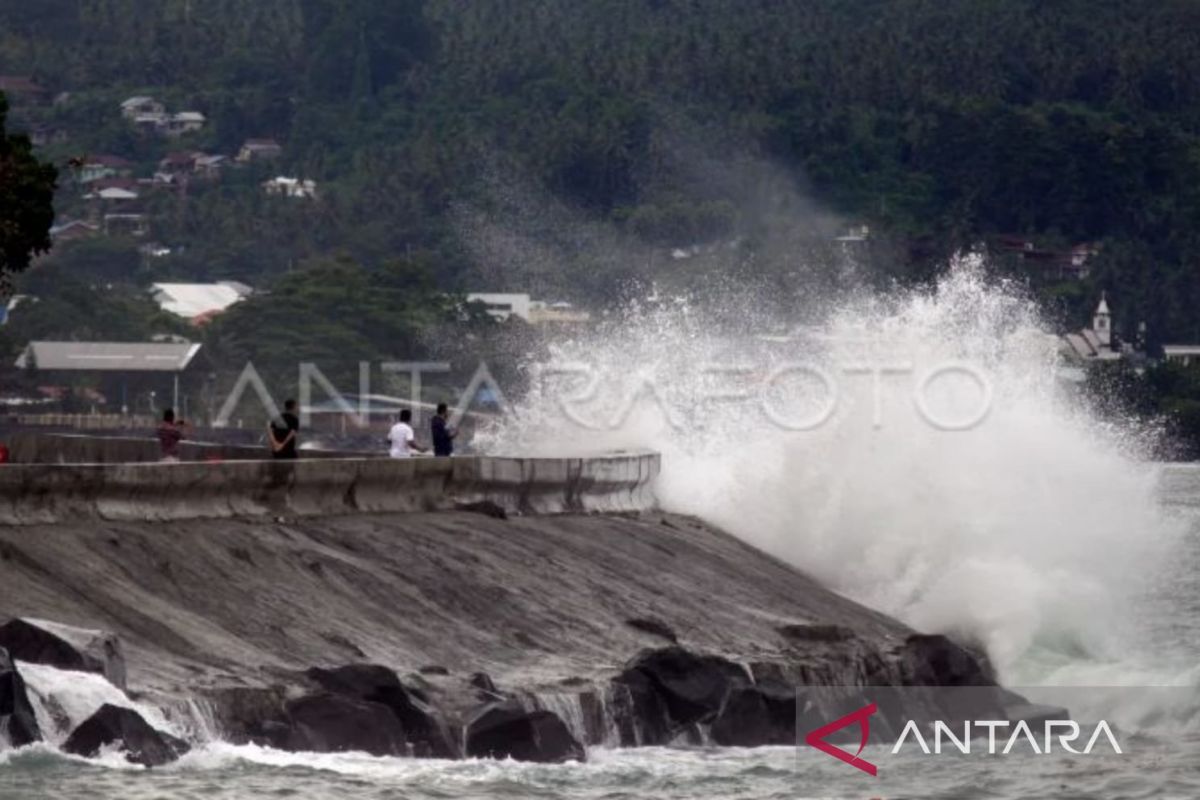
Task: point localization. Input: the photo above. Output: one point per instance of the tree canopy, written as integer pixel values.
(26, 199)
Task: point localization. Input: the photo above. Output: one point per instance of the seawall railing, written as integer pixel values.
(32, 493)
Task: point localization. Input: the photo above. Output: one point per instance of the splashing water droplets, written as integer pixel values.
(956, 481)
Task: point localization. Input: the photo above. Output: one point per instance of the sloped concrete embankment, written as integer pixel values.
(451, 634)
(49, 493)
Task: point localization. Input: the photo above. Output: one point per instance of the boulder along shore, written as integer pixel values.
(447, 635)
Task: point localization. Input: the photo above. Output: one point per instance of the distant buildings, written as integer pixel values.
(136, 108)
(502, 307)
(22, 87)
(1094, 343)
(73, 230)
(199, 302)
(259, 150)
(1052, 264)
(1183, 354)
(96, 167)
(151, 116)
(290, 187)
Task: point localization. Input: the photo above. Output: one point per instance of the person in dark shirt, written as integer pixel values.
(170, 434)
(283, 431)
(443, 434)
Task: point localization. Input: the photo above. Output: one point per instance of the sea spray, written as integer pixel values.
(63, 699)
(918, 451)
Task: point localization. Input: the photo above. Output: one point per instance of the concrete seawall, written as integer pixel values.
(35, 447)
(50, 493)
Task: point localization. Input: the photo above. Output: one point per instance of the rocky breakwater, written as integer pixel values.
(443, 635)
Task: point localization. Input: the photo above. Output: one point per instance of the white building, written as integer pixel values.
(290, 187)
(1185, 354)
(142, 107)
(1094, 343)
(501, 306)
(197, 302)
(183, 122)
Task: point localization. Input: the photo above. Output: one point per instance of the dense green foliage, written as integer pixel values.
(565, 147)
(26, 200)
(939, 122)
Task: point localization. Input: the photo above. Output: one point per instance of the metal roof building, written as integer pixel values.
(192, 300)
(108, 356)
(167, 357)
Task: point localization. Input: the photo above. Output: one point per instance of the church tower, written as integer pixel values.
(1102, 322)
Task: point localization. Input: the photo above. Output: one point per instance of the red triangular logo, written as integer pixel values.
(862, 717)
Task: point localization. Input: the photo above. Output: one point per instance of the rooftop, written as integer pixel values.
(194, 300)
(108, 356)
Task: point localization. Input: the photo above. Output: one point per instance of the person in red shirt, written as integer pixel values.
(170, 434)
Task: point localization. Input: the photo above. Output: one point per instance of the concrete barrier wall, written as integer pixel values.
(35, 447)
(48, 493)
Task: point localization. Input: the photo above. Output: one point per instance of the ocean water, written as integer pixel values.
(1161, 744)
(1047, 535)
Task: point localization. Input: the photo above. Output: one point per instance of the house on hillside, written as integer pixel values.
(184, 122)
(1051, 264)
(126, 223)
(208, 167)
(22, 88)
(290, 187)
(103, 166)
(142, 107)
(178, 163)
(199, 302)
(73, 230)
(42, 135)
(259, 150)
(113, 195)
(1184, 354)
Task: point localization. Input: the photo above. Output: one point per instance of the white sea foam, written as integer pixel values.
(1032, 532)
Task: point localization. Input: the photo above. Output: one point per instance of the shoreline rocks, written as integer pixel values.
(41, 642)
(123, 727)
(17, 718)
(508, 730)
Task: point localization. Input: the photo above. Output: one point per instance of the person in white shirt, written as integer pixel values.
(402, 439)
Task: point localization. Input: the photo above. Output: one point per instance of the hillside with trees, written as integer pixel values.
(573, 149)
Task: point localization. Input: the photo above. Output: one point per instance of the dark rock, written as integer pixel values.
(756, 716)
(433, 669)
(506, 730)
(654, 627)
(424, 730)
(935, 660)
(481, 680)
(334, 723)
(692, 687)
(342, 642)
(640, 714)
(125, 728)
(16, 712)
(65, 647)
(488, 508)
(815, 633)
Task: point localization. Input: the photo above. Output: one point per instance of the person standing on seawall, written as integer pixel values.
(443, 434)
(283, 430)
(170, 434)
(401, 439)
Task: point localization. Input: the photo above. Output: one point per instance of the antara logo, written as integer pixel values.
(1066, 732)
(862, 718)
